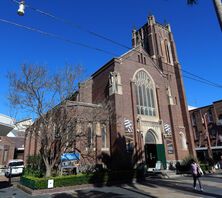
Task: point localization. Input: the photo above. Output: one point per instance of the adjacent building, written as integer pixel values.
(12, 135)
(145, 99)
(207, 129)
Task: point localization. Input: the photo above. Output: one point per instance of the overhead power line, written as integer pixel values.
(74, 25)
(56, 36)
(91, 47)
(77, 26)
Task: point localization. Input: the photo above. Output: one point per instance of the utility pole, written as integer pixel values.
(218, 9)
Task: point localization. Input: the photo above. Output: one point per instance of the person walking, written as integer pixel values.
(196, 173)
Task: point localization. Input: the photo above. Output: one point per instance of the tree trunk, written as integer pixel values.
(218, 9)
(48, 171)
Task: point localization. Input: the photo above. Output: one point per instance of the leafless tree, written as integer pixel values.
(34, 89)
(63, 129)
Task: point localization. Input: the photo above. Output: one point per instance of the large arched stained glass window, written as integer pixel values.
(150, 138)
(144, 94)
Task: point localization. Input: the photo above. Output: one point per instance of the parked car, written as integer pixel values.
(14, 168)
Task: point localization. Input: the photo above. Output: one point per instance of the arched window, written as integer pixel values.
(90, 136)
(150, 138)
(104, 137)
(166, 51)
(144, 94)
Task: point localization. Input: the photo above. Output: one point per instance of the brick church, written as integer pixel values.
(148, 116)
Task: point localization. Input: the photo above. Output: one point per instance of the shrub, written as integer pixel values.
(185, 165)
(42, 183)
(71, 180)
(35, 166)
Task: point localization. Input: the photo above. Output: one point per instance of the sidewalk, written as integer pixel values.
(179, 187)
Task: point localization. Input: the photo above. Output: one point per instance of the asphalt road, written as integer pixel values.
(180, 187)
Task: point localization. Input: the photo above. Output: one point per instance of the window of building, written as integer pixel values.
(210, 116)
(5, 154)
(104, 137)
(213, 132)
(167, 52)
(139, 58)
(145, 94)
(193, 119)
(150, 138)
(90, 137)
(144, 60)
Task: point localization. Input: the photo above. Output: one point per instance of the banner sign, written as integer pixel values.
(167, 130)
(170, 148)
(128, 125)
(70, 156)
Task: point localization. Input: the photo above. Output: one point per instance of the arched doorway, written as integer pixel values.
(150, 149)
(153, 151)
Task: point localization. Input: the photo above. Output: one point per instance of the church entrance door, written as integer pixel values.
(150, 155)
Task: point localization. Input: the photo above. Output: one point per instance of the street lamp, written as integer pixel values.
(21, 10)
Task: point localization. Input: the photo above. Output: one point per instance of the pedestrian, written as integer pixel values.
(196, 173)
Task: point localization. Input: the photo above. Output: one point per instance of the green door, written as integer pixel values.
(154, 153)
(161, 154)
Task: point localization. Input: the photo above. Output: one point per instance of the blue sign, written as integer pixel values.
(70, 156)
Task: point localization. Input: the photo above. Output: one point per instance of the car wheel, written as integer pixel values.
(7, 175)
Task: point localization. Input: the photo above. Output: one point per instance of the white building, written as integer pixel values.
(6, 124)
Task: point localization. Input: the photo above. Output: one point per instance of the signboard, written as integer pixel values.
(158, 165)
(70, 156)
(170, 148)
(50, 183)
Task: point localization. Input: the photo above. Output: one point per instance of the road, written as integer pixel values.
(179, 187)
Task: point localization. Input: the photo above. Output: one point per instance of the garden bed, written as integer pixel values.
(102, 178)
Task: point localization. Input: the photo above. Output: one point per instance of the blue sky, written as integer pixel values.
(195, 28)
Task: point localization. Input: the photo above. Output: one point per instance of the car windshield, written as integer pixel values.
(16, 164)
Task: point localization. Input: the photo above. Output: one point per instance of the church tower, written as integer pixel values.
(157, 40)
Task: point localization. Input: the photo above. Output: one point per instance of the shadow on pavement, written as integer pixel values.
(179, 186)
(98, 194)
(214, 176)
(62, 195)
(4, 184)
(139, 192)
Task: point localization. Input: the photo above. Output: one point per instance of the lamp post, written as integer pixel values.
(21, 10)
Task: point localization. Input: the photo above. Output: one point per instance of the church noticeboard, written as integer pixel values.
(169, 144)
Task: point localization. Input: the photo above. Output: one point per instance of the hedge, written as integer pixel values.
(71, 180)
(42, 183)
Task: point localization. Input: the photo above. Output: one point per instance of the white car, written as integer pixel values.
(14, 168)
